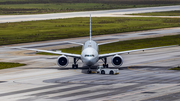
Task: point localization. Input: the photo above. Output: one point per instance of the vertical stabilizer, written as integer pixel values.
(90, 27)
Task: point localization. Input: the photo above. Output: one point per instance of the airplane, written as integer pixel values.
(90, 55)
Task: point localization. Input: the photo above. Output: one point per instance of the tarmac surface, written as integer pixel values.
(101, 13)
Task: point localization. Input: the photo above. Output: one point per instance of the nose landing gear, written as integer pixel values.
(89, 70)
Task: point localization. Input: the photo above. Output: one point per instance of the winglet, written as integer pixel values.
(90, 27)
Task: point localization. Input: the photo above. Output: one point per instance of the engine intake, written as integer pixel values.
(117, 60)
(62, 61)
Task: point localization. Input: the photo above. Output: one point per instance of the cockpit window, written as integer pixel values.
(89, 55)
(86, 55)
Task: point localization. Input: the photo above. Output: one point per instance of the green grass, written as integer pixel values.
(40, 8)
(129, 45)
(132, 2)
(168, 13)
(33, 31)
(5, 65)
(175, 68)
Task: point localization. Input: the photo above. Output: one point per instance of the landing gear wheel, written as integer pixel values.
(74, 66)
(105, 65)
(89, 71)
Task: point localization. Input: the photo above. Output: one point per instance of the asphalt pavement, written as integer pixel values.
(101, 13)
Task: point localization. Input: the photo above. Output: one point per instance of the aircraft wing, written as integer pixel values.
(108, 42)
(73, 42)
(47, 51)
(122, 52)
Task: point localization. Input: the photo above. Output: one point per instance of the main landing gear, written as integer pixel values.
(105, 65)
(75, 61)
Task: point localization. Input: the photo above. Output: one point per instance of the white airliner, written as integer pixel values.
(89, 54)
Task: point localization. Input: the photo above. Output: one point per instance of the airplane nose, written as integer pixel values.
(90, 61)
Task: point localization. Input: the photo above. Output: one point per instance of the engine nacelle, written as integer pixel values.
(117, 60)
(62, 61)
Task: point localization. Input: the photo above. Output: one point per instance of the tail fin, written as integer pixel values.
(90, 27)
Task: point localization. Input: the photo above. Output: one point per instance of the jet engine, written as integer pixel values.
(117, 60)
(62, 61)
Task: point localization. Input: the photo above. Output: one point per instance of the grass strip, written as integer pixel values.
(42, 8)
(175, 68)
(9, 7)
(129, 45)
(33, 31)
(168, 13)
(91, 1)
(5, 65)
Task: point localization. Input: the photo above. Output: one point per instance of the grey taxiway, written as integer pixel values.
(144, 76)
(102, 13)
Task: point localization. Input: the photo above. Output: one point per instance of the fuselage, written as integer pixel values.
(89, 54)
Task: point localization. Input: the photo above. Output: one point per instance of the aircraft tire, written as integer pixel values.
(76, 66)
(89, 71)
(73, 66)
(107, 65)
